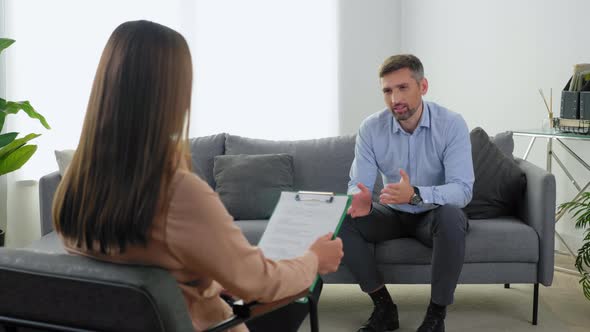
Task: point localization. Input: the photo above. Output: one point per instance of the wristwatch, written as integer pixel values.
(416, 199)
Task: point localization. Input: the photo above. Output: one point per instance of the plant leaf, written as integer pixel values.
(12, 107)
(4, 43)
(7, 138)
(2, 118)
(581, 214)
(585, 281)
(17, 143)
(16, 159)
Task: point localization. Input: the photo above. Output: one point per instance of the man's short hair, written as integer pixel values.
(400, 61)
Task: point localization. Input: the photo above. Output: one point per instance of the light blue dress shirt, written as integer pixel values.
(436, 156)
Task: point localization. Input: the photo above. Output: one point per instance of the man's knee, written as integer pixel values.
(451, 218)
(349, 228)
(348, 223)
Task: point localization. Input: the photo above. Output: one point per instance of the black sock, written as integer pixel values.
(441, 309)
(381, 297)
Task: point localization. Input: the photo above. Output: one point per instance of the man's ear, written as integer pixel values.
(424, 86)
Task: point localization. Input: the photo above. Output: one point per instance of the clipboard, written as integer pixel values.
(299, 218)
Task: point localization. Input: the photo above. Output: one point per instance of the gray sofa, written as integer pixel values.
(505, 250)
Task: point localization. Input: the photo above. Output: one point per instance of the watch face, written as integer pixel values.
(415, 200)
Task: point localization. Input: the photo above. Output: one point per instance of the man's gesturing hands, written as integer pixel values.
(397, 193)
(361, 202)
(393, 193)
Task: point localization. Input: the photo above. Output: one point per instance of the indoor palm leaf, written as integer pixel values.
(581, 212)
(15, 152)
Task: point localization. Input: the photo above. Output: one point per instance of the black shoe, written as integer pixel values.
(383, 319)
(434, 320)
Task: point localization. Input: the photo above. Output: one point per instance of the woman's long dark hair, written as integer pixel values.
(133, 139)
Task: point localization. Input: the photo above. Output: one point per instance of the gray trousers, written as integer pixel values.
(442, 229)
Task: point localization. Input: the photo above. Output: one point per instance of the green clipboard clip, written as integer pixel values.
(328, 199)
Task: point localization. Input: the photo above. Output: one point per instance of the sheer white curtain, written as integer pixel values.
(53, 62)
(266, 69)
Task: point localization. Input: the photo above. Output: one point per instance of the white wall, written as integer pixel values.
(369, 31)
(487, 59)
(266, 69)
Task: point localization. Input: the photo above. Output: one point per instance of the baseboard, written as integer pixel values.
(573, 241)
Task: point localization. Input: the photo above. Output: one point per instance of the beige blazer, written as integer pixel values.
(205, 251)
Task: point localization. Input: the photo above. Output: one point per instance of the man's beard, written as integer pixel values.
(405, 115)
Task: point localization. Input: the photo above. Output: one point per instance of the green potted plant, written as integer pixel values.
(581, 212)
(15, 152)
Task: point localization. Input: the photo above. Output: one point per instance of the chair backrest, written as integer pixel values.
(46, 289)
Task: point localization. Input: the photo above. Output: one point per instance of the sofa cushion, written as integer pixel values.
(250, 185)
(63, 158)
(495, 240)
(252, 229)
(203, 150)
(499, 181)
(506, 239)
(321, 164)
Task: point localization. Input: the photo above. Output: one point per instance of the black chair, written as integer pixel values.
(60, 292)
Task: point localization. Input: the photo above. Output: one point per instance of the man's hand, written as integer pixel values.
(361, 202)
(397, 193)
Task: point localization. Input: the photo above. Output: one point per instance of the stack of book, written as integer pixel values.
(572, 126)
(581, 77)
(575, 99)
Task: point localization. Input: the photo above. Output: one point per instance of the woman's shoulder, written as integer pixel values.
(189, 192)
(193, 199)
(186, 181)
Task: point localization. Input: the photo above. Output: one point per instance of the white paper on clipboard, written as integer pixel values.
(298, 220)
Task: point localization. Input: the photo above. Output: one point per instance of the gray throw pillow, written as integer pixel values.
(250, 185)
(499, 182)
(504, 142)
(203, 150)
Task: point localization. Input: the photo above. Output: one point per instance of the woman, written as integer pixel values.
(129, 196)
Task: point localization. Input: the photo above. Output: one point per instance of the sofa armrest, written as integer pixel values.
(47, 186)
(538, 211)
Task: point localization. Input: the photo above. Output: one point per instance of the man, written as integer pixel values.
(423, 153)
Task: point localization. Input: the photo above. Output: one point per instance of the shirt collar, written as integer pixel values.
(425, 118)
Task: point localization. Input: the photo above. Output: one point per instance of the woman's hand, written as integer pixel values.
(329, 253)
